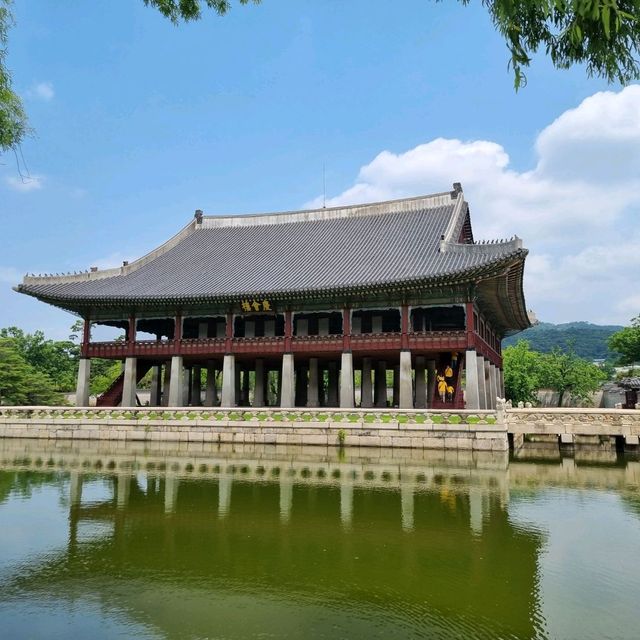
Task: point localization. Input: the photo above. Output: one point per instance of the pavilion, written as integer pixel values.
(284, 309)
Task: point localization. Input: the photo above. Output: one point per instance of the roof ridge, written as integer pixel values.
(431, 201)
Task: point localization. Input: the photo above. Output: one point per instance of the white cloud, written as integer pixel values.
(24, 184)
(42, 91)
(578, 208)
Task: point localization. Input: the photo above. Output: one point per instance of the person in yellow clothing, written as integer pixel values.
(442, 387)
(448, 373)
(450, 391)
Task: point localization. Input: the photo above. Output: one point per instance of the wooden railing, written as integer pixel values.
(216, 347)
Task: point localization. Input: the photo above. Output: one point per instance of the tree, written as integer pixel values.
(566, 373)
(56, 359)
(604, 35)
(20, 382)
(627, 342)
(522, 372)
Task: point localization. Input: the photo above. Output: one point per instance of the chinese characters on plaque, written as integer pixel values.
(256, 305)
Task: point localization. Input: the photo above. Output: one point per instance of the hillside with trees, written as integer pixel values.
(586, 340)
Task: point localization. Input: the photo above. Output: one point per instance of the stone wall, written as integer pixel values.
(361, 428)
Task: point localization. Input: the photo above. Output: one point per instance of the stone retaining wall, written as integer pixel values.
(380, 428)
(459, 429)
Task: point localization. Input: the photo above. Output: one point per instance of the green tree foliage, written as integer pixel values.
(527, 371)
(13, 120)
(566, 373)
(603, 35)
(20, 382)
(627, 342)
(522, 372)
(56, 359)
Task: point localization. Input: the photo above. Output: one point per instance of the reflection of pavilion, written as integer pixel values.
(407, 544)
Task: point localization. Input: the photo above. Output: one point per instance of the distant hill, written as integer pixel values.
(589, 340)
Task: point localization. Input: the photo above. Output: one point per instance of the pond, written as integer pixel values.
(107, 540)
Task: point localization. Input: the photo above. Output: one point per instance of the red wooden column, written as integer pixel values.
(404, 327)
(131, 335)
(86, 337)
(177, 333)
(470, 330)
(346, 330)
(288, 331)
(228, 333)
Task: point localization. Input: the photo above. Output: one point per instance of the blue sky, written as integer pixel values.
(139, 122)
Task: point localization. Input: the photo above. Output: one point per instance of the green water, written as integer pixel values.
(114, 541)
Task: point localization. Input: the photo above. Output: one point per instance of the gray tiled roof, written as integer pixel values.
(326, 250)
(630, 383)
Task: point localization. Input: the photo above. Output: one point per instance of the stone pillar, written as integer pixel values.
(229, 381)
(431, 382)
(472, 390)
(406, 383)
(123, 482)
(156, 386)
(487, 384)
(130, 382)
(258, 389)
(75, 488)
(347, 400)
(224, 495)
(501, 383)
(381, 384)
(493, 379)
(171, 484)
(82, 388)
(286, 497)
(482, 396)
(288, 387)
(186, 386)
(166, 384)
(366, 389)
(333, 391)
(346, 502)
(211, 394)
(406, 498)
(237, 381)
(396, 386)
(475, 510)
(245, 387)
(313, 391)
(421, 384)
(196, 385)
(175, 385)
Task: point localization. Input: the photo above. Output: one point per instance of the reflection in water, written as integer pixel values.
(304, 543)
